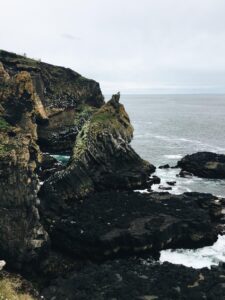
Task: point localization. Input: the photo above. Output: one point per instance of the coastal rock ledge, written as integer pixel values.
(204, 164)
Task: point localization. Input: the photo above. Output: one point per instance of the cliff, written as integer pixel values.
(102, 158)
(64, 94)
(22, 237)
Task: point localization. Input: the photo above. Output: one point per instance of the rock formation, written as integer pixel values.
(102, 158)
(204, 164)
(68, 100)
(22, 237)
(110, 223)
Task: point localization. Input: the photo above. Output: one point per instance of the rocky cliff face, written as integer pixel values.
(102, 158)
(68, 100)
(22, 237)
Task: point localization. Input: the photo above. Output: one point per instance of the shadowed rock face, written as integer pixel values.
(67, 98)
(139, 280)
(127, 223)
(22, 237)
(102, 158)
(204, 164)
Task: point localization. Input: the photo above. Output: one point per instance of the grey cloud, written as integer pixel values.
(128, 45)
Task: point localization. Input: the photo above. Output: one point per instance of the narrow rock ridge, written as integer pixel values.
(102, 158)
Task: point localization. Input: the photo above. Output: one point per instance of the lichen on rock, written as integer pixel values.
(102, 158)
(22, 237)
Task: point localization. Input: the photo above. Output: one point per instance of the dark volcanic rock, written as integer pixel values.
(110, 223)
(172, 183)
(22, 238)
(164, 166)
(102, 158)
(48, 166)
(68, 100)
(139, 280)
(165, 188)
(204, 164)
(184, 174)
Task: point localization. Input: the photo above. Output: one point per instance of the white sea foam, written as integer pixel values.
(173, 156)
(199, 258)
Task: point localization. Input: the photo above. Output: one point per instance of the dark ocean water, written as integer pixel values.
(167, 127)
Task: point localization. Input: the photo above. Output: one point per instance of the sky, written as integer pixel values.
(132, 46)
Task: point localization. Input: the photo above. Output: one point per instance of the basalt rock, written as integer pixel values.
(167, 166)
(139, 280)
(68, 100)
(127, 223)
(102, 158)
(204, 164)
(22, 237)
(48, 166)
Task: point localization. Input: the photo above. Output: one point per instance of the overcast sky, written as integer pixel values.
(144, 46)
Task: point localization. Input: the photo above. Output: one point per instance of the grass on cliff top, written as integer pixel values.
(3, 124)
(9, 290)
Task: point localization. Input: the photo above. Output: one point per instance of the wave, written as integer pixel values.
(199, 258)
(173, 156)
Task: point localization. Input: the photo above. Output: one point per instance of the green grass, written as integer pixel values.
(102, 117)
(9, 290)
(3, 124)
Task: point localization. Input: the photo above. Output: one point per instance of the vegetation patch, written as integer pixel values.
(4, 125)
(10, 290)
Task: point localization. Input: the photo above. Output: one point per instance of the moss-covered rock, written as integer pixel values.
(62, 92)
(102, 158)
(22, 237)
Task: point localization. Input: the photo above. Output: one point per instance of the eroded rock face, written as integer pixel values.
(204, 164)
(102, 158)
(67, 97)
(22, 237)
(139, 279)
(126, 223)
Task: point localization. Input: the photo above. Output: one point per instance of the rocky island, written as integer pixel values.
(81, 230)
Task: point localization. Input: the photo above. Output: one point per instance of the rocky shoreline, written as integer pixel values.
(80, 230)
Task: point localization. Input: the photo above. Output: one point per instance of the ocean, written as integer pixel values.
(167, 127)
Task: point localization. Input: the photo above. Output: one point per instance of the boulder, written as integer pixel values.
(171, 183)
(164, 166)
(204, 164)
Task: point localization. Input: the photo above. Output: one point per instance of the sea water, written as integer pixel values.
(166, 128)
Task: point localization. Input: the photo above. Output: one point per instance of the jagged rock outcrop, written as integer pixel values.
(139, 280)
(22, 237)
(102, 158)
(68, 100)
(204, 164)
(127, 223)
